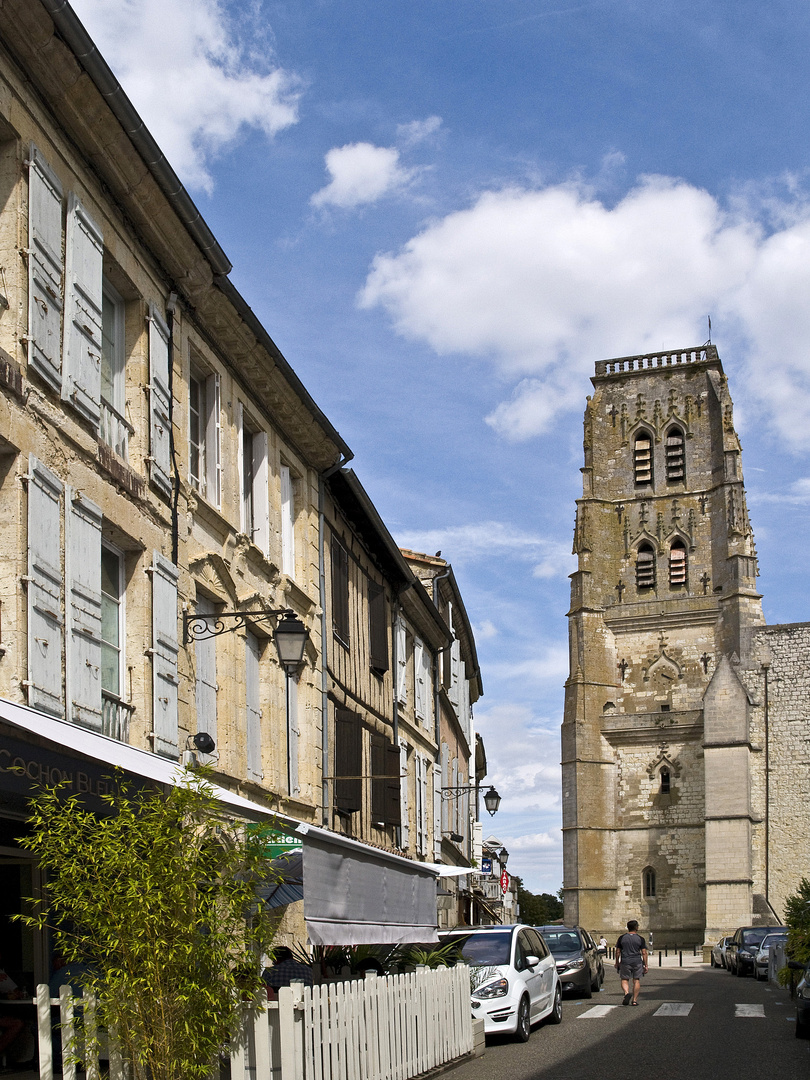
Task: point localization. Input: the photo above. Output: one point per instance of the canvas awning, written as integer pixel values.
(353, 893)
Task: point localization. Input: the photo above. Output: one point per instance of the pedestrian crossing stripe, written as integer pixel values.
(674, 1008)
(749, 1010)
(595, 1012)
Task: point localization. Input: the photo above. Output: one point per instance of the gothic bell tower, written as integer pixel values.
(656, 789)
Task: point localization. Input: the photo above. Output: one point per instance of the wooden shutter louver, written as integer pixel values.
(642, 458)
(340, 591)
(159, 403)
(81, 367)
(404, 820)
(393, 783)
(261, 493)
(165, 648)
(293, 738)
(83, 610)
(676, 465)
(437, 811)
(378, 626)
(253, 709)
(677, 564)
(348, 788)
(287, 523)
(213, 451)
(645, 567)
(44, 270)
(401, 644)
(378, 762)
(45, 619)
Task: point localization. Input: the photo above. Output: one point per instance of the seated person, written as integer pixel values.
(285, 969)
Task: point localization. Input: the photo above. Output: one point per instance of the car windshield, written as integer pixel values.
(753, 937)
(491, 948)
(772, 939)
(562, 941)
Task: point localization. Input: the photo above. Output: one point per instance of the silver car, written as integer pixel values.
(719, 952)
(763, 955)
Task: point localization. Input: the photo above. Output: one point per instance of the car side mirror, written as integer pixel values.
(532, 961)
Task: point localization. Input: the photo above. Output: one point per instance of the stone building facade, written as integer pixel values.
(684, 739)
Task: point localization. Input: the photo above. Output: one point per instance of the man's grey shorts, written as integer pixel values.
(631, 970)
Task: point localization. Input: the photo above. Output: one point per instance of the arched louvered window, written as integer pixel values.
(645, 567)
(642, 458)
(676, 461)
(666, 780)
(649, 882)
(677, 564)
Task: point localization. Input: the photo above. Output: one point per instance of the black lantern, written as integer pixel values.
(290, 636)
(504, 856)
(492, 801)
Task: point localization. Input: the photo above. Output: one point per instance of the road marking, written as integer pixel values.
(749, 1010)
(596, 1011)
(674, 1008)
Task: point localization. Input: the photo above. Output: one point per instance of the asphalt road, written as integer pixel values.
(713, 1042)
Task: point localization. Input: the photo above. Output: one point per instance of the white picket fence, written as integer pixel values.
(392, 1027)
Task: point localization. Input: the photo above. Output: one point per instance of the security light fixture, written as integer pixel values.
(203, 742)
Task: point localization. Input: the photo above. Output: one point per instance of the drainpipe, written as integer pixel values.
(394, 671)
(765, 668)
(437, 681)
(171, 307)
(322, 478)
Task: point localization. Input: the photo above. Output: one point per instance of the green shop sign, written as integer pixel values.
(275, 841)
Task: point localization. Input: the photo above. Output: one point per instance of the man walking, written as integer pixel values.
(631, 961)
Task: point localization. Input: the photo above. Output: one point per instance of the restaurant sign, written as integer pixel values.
(276, 841)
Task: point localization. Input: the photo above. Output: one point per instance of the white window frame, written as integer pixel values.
(254, 504)
(287, 521)
(114, 429)
(121, 601)
(209, 447)
(253, 724)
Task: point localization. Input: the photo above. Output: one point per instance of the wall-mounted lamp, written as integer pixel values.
(492, 799)
(289, 633)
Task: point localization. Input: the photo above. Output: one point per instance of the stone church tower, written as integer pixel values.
(660, 746)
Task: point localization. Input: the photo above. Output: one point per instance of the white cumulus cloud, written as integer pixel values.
(198, 78)
(543, 282)
(484, 539)
(361, 173)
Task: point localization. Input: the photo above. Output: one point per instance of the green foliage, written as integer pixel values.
(797, 920)
(537, 910)
(432, 956)
(157, 900)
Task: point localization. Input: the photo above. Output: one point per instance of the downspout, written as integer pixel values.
(395, 710)
(322, 478)
(437, 681)
(765, 668)
(171, 307)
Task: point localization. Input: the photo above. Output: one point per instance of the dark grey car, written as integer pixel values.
(743, 947)
(579, 966)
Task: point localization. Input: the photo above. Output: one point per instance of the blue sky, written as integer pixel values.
(445, 211)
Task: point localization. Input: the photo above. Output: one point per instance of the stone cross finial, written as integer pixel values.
(705, 582)
(623, 666)
(620, 589)
(620, 511)
(705, 661)
(613, 412)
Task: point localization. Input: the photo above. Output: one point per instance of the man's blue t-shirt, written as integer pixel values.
(631, 945)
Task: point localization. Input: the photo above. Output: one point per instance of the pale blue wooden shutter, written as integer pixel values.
(159, 398)
(81, 366)
(261, 493)
(437, 811)
(83, 609)
(45, 619)
(44, 269)
(405, 830)
(419, 694)
(213, 442)
(287, 523)
(205, 690)
(446, 783)
(165, 648)
(254, 713)
(400, 645)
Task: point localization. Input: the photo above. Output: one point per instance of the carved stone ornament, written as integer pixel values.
(664, 760)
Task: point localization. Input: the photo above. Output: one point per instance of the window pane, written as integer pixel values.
(108, 348)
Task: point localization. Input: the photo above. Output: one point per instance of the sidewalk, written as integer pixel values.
(671, 960)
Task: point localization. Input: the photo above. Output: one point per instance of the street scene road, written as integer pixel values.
(691, 1022)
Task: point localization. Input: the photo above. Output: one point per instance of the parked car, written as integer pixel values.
(743, 947)
(513, 975)
(802, 999)
(719, 952)
(579, 965)
(764, 952)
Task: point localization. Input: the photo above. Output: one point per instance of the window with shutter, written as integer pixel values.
(113, 425)
(165, 648)
(446, 783)
(159, 402)
(287, 523)
(420, 689)
(645, 567)
(83, 610)
(393, 785)
(81, 358)
(205, 689)
(213, 441)
(401, 645)
(421, 807)
(378, 762)
(437, 812)
(112, 621)
(677, 564)
(676, 459)
(45, 619)
(253, 718)
(204, 457)
(385, 782)
(403, 795)
(455, 660)
(340, 591)
(447, 667)
(44, 269)
(377, 627)
(261, 493)
(293, 736)
(348, 787)
(642, 458)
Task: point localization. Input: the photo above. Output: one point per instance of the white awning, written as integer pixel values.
(353, 893)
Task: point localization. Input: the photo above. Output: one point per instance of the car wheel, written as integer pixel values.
(555, 1016)
(802, 1030)
(586, 991)
(524, 1021)
(739, 970)
(597, 982)
(713, 961)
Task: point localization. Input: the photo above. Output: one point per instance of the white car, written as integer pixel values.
(513, 978)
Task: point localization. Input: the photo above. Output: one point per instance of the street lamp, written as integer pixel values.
(289, 633)
(492, 801)
(503, 857)
(290, 636)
